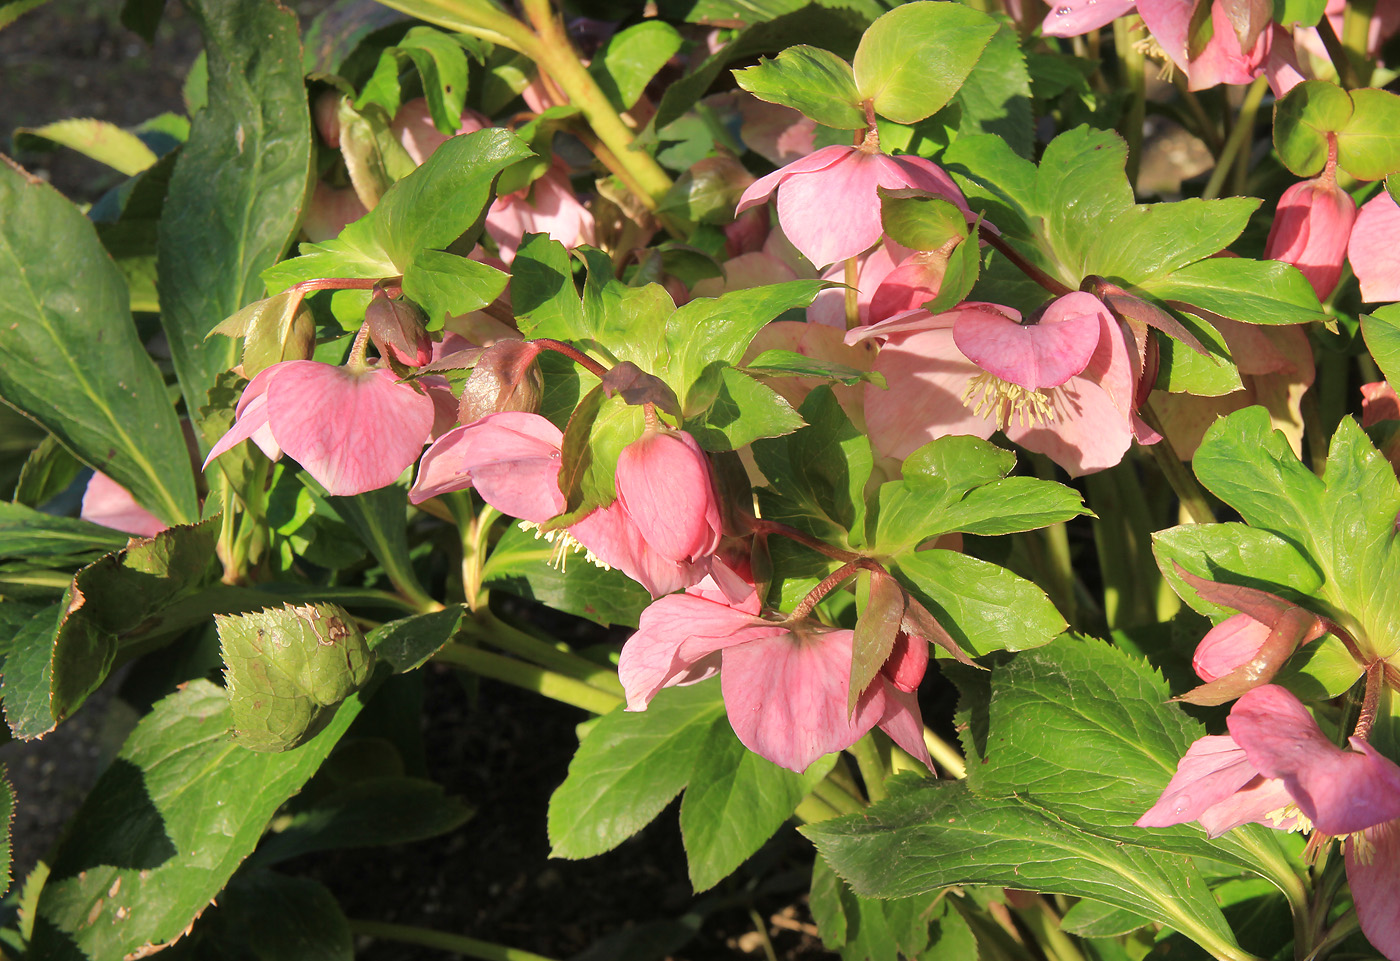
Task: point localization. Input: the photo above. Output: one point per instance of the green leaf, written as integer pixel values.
(287, 669)
(1305, 13)
(1381, 328)
(1249, 291)
(1302, 121)
(7, 813)
(1237, 554)
(629, 767)
(523, 565)
(1094, 919)
(810, 80)
(99, 140)
(735, 802)
(960, 277)
(740, 412)
(47, 472)
(918, 221)
(913, 59)
(789, 363)
(26, 681)
(263, 916)
(984, 607)
(367, 813)
(874, 929)
(1148, 240)
(25, 532)
(996, 96)
(442, 64)
(632, 57)
(377, 518)
(446, 285)
(941, 834)
(235, 198)
(145, 853)
(406, 644)
(70, 356)
(1368, 146)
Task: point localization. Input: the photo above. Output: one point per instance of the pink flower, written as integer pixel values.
(827, 203)
(1278, 768)
(1065, 385)
(353, 431)
(1374, 250)
(548, 206)
(1378, 402)
(1311, 230)
(512, 459)
(665, 484)
(110, 504)
(785, 685)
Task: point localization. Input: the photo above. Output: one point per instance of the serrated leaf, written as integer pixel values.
(270, 917)
(628, 768)
(1249, 291)
(913, 59)
(542, 291)
(146, 836)
(406, 644)
(70, 356)
(1235, 554)
(810, 80)
(735, 801)
(235, 197)
(996, 96)
(446, 285)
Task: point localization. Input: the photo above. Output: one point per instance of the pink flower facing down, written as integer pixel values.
(110, 504)
(1277, 767)
(354, 431)
(1374, 249)
(827, 203)
(513, 458)
(665, 484)
(1312, 228)
(1065, 385)
(785, 685)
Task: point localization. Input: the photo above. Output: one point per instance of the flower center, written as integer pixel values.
(1301, 823)
(1362, 847)
(563, 544)
(1009, 403)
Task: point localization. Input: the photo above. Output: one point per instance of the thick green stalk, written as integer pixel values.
(552, 685)
(1356, 37)
(486, 626)
(872, 766)
(1239, 135)
(455, 943)
(1133, 77)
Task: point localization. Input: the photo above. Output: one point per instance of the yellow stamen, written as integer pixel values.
(1362, 847)
(989, 394)
(1302, 824)
(563, 544)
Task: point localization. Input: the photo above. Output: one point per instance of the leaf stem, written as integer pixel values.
(1133, 77)
(555, 686)
(1356, 26)
(945, 754)
(1025, 266)
(1044, 923)
(484, 625)
(1183, 482)
(872, 766)
(441, 940)
(1242, 132)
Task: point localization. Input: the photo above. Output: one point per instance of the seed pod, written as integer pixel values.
(286, 669)
(397, 329)
(505, 377)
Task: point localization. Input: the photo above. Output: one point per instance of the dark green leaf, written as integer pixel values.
(25, 532)
(913, 59)
(740, 412)
(7, 813)
(70, 356)
(628, 768)
(263, 916)
(145, 854)
(735, 801)
(789, 363)
(142, 17)
(870, 929)
(542, 291)
(996, 96)
(235, 197)
(407, 643)
(1094, 919)
(523, 565)
(810, 80)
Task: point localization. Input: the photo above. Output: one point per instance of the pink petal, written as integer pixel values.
(1261, 801)
(1210, 772)
(786, 696)
(615, 540)
(1374, 249)
(1311, 229)
(1374, 878)
(1341, 791)
(923, 174)
(908, 287)
(353, 432)
(331, 208)
(1044, 354)
(757, 269)
(664, 482)
(927, 375)
(551, 209)
(511, 458)
(1378, 402)
(915, 322)
(1169, 20)
(762, 188)
(110, 504)
(903, 722)
(251, 420)
(1222, 60)
(1227, 645)
(834, 213)
(1073, 18)
(1089, 433)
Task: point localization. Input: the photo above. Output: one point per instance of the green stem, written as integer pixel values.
(1123, 537)
(428, 938)
(1240, 133)
(1133, 76)
(1205, 127)
(1059, 567)
(812, 809)
(1356, 38)
(1183, 482)
(1249, 113)
(945, 755)
(834, 796)
(1045, 925)
(566, 690)
(486, 626)
(872, 766)
(473, 529)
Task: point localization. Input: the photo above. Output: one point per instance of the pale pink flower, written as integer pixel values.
(1374, 250)
(353, 431)
(110, 504)
(827, 202)
(1378, 402)
(665, 483)
(548, 206)
(1311, 229)
(330, 209)
(785, 685)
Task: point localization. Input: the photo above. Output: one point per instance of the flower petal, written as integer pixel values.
(1074, 18)
(511, 458)
(1210, 772)
(1374, 248)
(762, 188)
(927, 375)
(110, 504)
(1374, 877)
(1043, 354)
(1089, 433)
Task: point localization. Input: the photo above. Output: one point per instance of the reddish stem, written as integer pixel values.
(759, 525)
(1025, 266)
(1375, 673)
(577, 356)
(829, 584)
(390, 284)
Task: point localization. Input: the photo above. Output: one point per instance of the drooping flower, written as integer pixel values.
(354, 431)
(785, 685)
(1374, 250)
(110, 504)
(1311, 229)
(827, 202)
(1276, 767)
(665, 483)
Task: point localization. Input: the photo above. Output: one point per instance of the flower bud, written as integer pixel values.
(665, 485)
(396, 327)
(1311, 230)
(505, 377)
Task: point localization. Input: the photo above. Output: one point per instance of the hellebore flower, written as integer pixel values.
(785, 685)
(665, 484)
(827, 202)
(110, 504)
(1064, 385)
(548, 206)
(352, 430)
(1374, 249)
(1312, 228)
(1276, 767)
(513, 458)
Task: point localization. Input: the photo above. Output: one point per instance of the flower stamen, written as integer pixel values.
(563, 544)
(1301, 822)
(988, 393)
